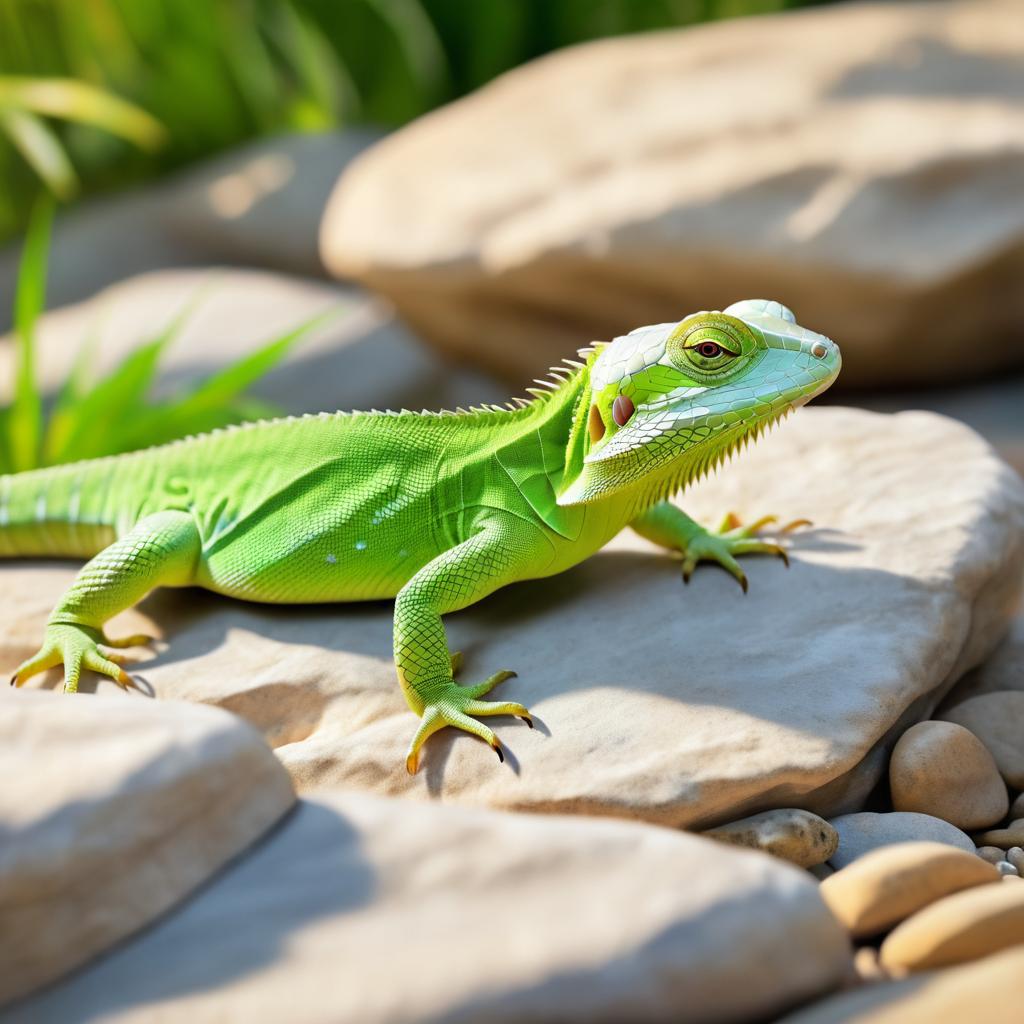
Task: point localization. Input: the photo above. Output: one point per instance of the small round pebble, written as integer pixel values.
(965, 926)
(1017, 807)
(1004, 867)
(1004, 838)
(993, 854)
(1015, 855)
(791, 833)
(941, 768)
(887, 885)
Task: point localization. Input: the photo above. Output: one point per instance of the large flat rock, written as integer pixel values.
(862, 163)
(369, 910)
(111, 812)
(681, 705)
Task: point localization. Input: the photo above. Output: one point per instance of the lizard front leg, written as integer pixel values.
(455, 579)
(669, 526)
(161, 550)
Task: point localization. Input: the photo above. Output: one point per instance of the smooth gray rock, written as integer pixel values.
(867, 830)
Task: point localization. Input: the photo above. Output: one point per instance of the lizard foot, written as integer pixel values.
(733, 538)
(448, 703)
(77, 647)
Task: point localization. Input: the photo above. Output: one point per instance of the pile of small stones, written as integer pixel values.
(937, 880)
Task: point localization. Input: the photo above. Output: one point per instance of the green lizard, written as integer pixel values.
(437, 510)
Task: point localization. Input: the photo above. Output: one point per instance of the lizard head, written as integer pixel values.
(667, 402)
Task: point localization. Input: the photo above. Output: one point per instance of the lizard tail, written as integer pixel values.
(58, 511)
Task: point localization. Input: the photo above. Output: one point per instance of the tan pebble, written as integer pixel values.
(793, 834)
(1004, 867)
(1004, 838)
(887, 885)
(942, 769)
(997, 719)
(958, 928)
(1015, 855)
(993, 854)
(866, 966)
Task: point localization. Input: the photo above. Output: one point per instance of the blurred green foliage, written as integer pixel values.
(211, 73)
(92, 417)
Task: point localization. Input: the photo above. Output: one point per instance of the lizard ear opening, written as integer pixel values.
(595, 425)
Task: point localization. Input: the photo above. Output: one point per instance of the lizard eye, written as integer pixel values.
(709, 350)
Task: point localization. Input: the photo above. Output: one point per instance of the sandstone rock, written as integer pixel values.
(862, 164)
(991, 991)
(111, 811)
(865, 831)
(866, 966)
(262, 203)
(358, 360)
(1003, 670)
(688, 706)
(1004, 838)
(369, 910)
(943, 769)
(793, 834)
(997, 719)
(889, 884)
(964, 926)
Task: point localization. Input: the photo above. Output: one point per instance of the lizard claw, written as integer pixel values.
(460, 706)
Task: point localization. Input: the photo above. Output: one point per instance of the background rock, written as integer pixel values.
(499, 917)
(112, 811)
(943, 769)
(685, 706)
(863, 164)
(262, 204)
(864, 831)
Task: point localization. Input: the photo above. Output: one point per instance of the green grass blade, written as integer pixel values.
(196, 410)
(40, 147)
(98, 421)
(73, 100)
(24, 419)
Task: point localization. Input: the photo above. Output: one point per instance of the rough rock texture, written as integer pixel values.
(262, 203)
(359, 359)
(682, 705)
(369, 910)
(111, 811)
(943, 769)
(965, 926)
(990, 991)
(793, 834)
(864, 831)
(889, 884)
(997, 719)
(863, 164)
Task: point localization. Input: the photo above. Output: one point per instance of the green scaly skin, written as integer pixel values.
(435, 510)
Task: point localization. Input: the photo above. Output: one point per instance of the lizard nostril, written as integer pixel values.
(819, 350)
